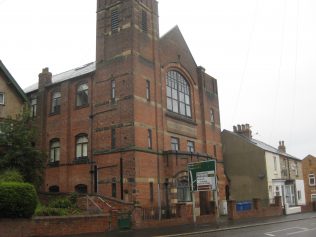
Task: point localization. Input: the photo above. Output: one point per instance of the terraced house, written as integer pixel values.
(127, 125)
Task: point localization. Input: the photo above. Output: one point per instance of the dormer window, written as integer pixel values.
(178, 94)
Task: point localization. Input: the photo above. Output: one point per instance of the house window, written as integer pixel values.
(54, 151)
(114, 187)
(175, 144)
(296, 168)
(277, 191)
(212, 118)
(313, 197)
(54, 189)
(214, 86)
(55, 107)
(275, 163)
(81, 188)
(311, 178)
(151, 192)
(183, 191)
(82, 95)
(178, 94)
(114, 20)
(33, 107)
(113, 89)
(144, 21)
(149, 139)
(190, 146)
(1, 98)
(82, 146)
(147, 90)
(113, 138)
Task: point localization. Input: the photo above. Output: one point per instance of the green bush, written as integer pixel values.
(50, 211)
(11, 176)
(73, 198)
(17, 200)
(60, 203)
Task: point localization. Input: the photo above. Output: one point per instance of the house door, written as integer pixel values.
(289, 195)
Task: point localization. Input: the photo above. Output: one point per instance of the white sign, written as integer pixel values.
(205, 180)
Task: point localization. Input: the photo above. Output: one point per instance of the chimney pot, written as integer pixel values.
(235, 129)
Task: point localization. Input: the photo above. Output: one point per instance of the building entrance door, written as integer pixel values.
(289, 195)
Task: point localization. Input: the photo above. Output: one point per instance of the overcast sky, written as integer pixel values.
(263, 53)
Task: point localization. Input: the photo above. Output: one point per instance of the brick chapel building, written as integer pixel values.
(127, 125)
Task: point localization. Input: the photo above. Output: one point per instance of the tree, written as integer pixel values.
(17, 150)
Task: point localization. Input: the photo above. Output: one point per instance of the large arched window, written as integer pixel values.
(82, 146)
(54, 150)
(178, 94)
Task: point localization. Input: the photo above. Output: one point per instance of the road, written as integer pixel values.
(303, 228)
(298, 228)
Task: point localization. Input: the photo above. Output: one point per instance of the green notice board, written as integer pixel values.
(203, 175)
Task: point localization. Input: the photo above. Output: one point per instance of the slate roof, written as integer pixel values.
(12, 82)
(262, 145)
(73, 73)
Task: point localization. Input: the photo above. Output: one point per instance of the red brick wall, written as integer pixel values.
(56, 226)
(256, 211)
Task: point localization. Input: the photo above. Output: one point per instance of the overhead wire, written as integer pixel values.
(243, 75)
(276, 97)
(295, 71)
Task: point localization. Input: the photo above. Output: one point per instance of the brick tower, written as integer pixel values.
(125, 101)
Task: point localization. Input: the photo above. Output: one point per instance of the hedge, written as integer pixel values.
(11, 175)
(17, 200)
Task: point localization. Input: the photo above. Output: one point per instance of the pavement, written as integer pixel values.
(188, 230)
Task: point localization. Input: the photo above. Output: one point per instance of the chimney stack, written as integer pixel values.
(244, 130)
(45, 78)
(282, 147)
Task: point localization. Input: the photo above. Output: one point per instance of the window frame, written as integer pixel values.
(148, 90)
(82, 146)
(144, 23)
(275, 166)
(175, 144)
(2, 101)
(192, 147)
(311, 177)
(313, 195)
(151, 192)
(80, 93)
(54, 150)
(150, 139)
(183, 191)
(33, 107)
(113, 138)
(55, 102)
(178, 94)
(114, 20)
(212, 117)
(113, 89)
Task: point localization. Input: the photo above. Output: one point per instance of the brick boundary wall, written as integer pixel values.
(57, 226)
(256, 211)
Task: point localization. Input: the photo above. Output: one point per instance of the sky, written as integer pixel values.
(262, 52)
